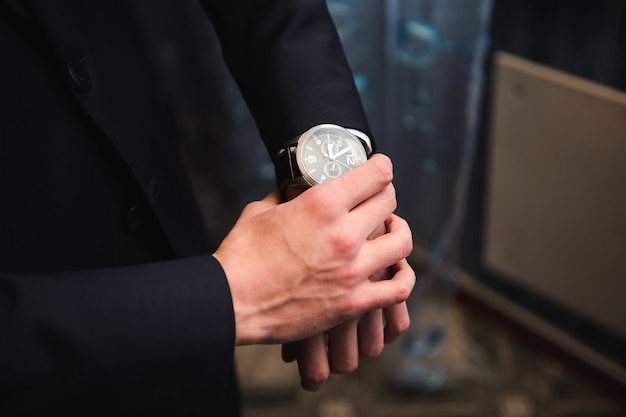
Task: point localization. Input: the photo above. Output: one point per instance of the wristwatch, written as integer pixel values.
(321, 153)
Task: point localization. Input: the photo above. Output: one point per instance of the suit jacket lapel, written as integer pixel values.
(98, 47)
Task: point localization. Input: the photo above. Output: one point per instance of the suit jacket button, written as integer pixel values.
(134, 219)
(80, 76)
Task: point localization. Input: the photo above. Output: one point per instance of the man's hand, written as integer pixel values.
(301, 268)
(341, 348)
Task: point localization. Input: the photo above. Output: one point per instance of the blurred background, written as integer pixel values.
(506, 121)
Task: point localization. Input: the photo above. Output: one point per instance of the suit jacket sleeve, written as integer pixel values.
(289, 63)
(143, 339)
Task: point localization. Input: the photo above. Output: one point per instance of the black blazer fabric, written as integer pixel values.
(110, 302)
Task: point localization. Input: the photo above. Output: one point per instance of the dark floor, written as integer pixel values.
(490, 368)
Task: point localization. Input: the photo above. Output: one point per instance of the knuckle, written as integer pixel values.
(316, 377)
(372, 352)
(343, 242)
(352, 272)
(350, 307)
(398, 327)
(344, 367)
(403, 293)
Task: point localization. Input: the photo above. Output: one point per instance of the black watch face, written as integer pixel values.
(326, 152)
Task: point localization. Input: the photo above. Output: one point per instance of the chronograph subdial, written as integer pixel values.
(332, 169)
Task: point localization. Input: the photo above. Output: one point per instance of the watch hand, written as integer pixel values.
(343, 164)
(330, 150)
(341, 152)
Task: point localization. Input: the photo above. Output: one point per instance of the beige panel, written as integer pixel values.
(556, 200)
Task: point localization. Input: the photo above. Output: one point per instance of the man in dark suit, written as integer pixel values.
(112, 300)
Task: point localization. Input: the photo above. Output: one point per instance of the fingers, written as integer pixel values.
(386, 250)
(343, 347)
(380, 230)
(288, 352)
(348, 342)
(350, 189)
(312, 362)
(358, 338)
(380, 275)
(397, 321)
(386, 293)
(354, 205)
(371, 334)
(369, 216)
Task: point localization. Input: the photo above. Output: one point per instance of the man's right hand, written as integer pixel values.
(302, 267)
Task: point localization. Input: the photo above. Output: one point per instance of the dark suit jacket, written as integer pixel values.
(110, 303)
